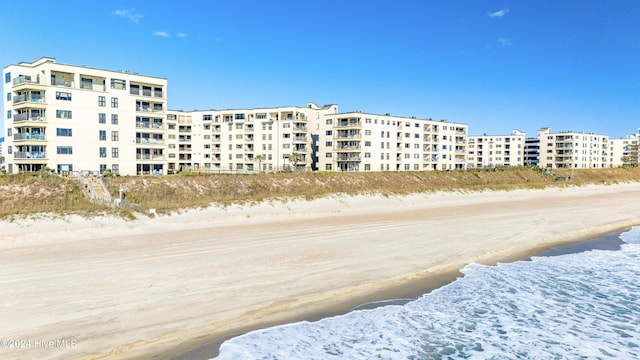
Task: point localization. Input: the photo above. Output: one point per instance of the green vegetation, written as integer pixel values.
(25, 194)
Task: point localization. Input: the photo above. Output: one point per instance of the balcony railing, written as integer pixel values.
(149, 141)
(62, 82)
(149, 157)
(348, 158)
(27, 117)
(24, 98)
(28, 136)
(26, 79)
(300, 138)
(147, 109)
(29, 155)
(148, 125)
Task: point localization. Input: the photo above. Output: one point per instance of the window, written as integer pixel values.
(118, 84)
(86, 83)
(114, 136)
(63, 96)
(329, 133)
(328, 155)
(7, 77)
(103, 135)
(103, 168)
(328, 143)
(63, 132)
(367, 132)
(367, 155)
(261, 115)
(115, 152)
(329, 121)
(327, 167)
(239, 116)
(286, 136)
(114, 102)
(207, 117)
(134, 89)
(114, 119)
(102, 118)
(8, 96)
(157, 92)
(8, 114)
(9, 149)
(103, 152)
(102, 101)
(286, 125)
(9, 131)
(367, 121)
(64, 150)
(115, 168)
(367, 143)
(63, 114)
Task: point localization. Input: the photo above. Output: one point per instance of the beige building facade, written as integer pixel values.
(573, 150)
(624, 152)
(357, 141)
(496, 150)
(252, 140)
(73, 118)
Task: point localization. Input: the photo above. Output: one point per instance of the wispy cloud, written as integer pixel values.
(505, 42)
(161, 34)
(499, 13)
(181, 35)
(130, 14)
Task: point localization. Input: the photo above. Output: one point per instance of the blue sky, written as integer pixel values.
(495, 65)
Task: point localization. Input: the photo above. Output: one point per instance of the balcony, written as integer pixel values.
(61, 82)
(28, 137)
(300, 139)
(348, 157)
(27, 82)
(149, 141)
(29, 117)
(153, 157)
(148, 109)
(348, 124)
(149, 125)
(30, 99)
(30, 155)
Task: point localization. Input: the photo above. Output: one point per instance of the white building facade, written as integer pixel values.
(357, 141)
(262, 139)
(573, 150)
(624, 152)
(496, 150)
(74, 118)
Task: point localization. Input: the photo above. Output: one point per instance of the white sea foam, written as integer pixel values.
(584, 305)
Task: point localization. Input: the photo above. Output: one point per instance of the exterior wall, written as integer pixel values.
(1, 153)
(76, 118)
(573, 150)
(496, 150)
(357, 141)
(623, 152)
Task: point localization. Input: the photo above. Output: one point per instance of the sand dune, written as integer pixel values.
(108, 288)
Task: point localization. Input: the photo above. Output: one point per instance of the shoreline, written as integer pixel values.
(400, 294)
(158, 287)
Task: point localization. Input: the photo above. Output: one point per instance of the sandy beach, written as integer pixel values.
(106, 288)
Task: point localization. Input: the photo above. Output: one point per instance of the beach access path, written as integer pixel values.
(76, 288)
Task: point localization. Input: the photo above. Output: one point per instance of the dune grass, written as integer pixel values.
(32, 193)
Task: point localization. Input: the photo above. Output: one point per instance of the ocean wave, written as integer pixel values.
(584, 305)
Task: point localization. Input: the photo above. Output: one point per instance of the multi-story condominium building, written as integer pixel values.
(573, 150)
(624, 152)
(496, 150)
(75, 118)
(357, 141)
(262, 139)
